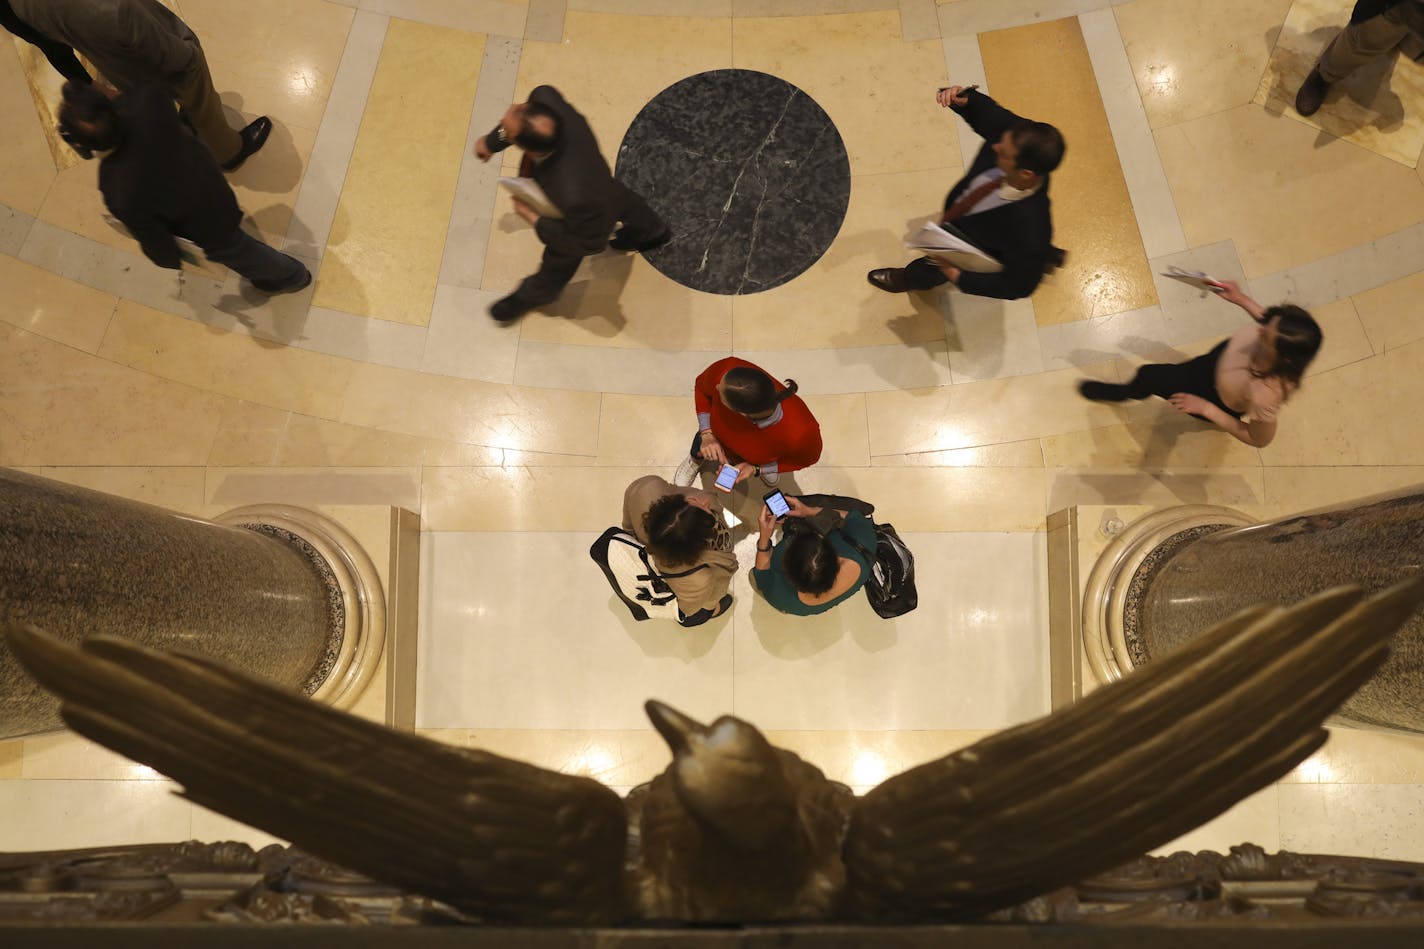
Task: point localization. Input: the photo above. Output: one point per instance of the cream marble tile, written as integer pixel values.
(1345, 339)
(1351, 271)
(1259, 819)
(1380, 820)
(501, 17)
(834, 304)
(228, 488)
(670, 8)
(273, 57)
(918, 20)
(1186, 65)
(73, 202)
(211, 826)
(312, 442)
(1358, 756)
(1166, 440)
(858, 368)
(1141, 333)
(476, 413)
(63, 407)
(454, 454)
(792, 8)
(884, 108)
(90, 813)
(616, 757)
(525, 498)
(1224, 486)
(991, 339)
(237, 366)
(939, 498)
(1366, 108)
(11, 753)
(14, 228)
(866, 758)
(179, 489)
(486, 615)
(26, 167)
(1024, 454)
(291, 320)
(1295, 490)
(965, 65)
(973, 655)
(249, 434)
(981, 16)
(646, 430)
(545, 20)
(1393, 315)
(844, 433)
(984, 413)
(1224, 190)
(66, 755)
(1191, 315)
(267, 186)
(610, 369)
(384, 252)
(464, 341)
(53, 307)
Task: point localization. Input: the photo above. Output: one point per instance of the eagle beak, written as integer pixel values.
(675, 727)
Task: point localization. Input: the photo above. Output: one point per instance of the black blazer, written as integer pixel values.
(577, 179)
(1018, 234)
(162, 181)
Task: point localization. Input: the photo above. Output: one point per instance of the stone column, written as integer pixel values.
(1185, 577)
(257, 597)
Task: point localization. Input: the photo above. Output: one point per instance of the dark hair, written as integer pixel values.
(678, 532)
(811, 562)
(532, 141)
(88, 121)
(750, 391)
(1298, 339)
(1040, 146)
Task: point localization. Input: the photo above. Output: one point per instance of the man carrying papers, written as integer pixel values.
(561, 156)
(1000, 206)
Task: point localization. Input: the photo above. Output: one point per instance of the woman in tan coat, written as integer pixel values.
(683, 529)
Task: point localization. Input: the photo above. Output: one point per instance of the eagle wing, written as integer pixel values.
(498, 839)
(1128, 768)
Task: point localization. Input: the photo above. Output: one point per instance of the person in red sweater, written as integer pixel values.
(748, 419)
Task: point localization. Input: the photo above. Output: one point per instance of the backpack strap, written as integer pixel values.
(683, 573)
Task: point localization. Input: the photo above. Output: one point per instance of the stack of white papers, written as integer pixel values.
(951, 248)
(528, 191)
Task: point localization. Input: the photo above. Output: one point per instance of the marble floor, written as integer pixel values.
(386, 383)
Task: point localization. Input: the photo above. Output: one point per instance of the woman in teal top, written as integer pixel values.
(810, 571)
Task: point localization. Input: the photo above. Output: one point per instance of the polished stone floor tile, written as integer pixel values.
(40, 302)
(1365, 820)
(1259, 819)
(1393, 315)
(26, 165)
(91, 813)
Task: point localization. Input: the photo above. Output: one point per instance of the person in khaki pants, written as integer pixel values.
(1375, 28)
(133, 42)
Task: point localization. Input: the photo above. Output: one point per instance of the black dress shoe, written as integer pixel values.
(508, 309)
(620, 242)
(299, 282)
(254, 136)
(889, 279)
(1312, 93)
(1102, 391)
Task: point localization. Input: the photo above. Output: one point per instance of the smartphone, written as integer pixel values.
(776, 503)
(726, 477)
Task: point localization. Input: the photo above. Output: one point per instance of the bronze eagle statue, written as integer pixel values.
(737, 830)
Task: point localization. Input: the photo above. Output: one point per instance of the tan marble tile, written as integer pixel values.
(1357, 756)
(1367, 108)
(1186, 65)
(313, 442)
(986, 413)
(249, 434)
(179, 489)
(1231, 487)
(267, 186)
(66, 755)
(1225, 189)
(940, 499)
(63, 407)
(454, 454)
(1296, 490)
(832, 304)
(646, 430)
(1170, 440)
(53, 307)
(321, 487)
(1345, 338)
(866, 758)
(524, 499)
(26, 165)
(845, 434)
(617, 758)
(1393, 315)
(475, 413)
(272, 57)
(235, 365)
(384, 252)
(11, 758)
(884, 107)
(1024, 454)
(1106, 270)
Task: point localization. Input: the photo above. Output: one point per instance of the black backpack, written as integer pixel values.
(891, 585)
(625, 563)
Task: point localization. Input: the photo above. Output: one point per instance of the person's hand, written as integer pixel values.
(766, 523)
(953, 96)
(526, 211)
(950, 272)
(1231, 292)
(798, 509)
(482, 151)
(744, 471)
(712, 449)
(1188, 403)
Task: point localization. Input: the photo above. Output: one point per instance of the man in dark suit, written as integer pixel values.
(562, 156)
(61, 57)
(141, 41)
(163, 183)
(1001, 205)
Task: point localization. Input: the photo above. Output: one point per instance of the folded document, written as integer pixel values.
(528, 191)
(948, 244)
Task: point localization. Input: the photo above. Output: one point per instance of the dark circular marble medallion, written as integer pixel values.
(748, 171)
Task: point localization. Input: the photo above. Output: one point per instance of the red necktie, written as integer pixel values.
(526, 166)
(966, 202)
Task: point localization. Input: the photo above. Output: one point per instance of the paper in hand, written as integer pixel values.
(528, 191)
(1194, 278)
(951, 248)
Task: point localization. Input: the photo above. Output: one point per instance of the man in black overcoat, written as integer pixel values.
(562, 156)
(1001, 205)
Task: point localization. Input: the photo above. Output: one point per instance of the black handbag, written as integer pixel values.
(890, 588)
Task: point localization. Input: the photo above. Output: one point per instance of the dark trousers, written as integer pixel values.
(640, 224)
(1195, 376)
(923, 274)
(266, 267)
(61, 57)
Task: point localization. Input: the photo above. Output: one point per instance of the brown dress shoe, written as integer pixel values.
(1312, 93)
(889, 279)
